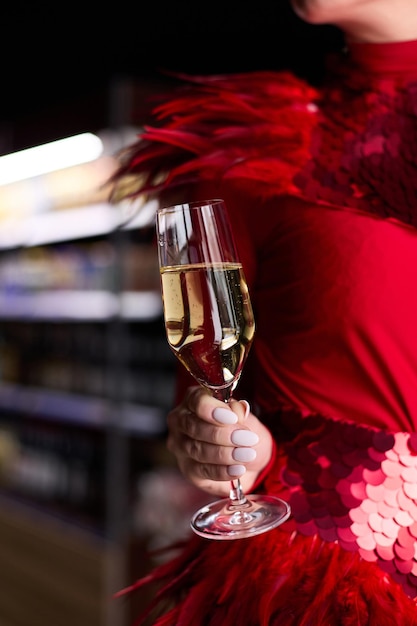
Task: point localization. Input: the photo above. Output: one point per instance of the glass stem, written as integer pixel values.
(236, 494)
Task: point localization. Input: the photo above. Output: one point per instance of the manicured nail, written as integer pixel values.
(244, 454)
(224, 416)
(236, 470)
(244, 438)
(247, 408)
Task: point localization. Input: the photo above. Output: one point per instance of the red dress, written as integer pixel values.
(322, 189)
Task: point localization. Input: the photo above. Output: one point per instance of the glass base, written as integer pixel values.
(225, 519)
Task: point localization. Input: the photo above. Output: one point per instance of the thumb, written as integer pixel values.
(241, 408)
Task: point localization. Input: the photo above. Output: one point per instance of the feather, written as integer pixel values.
(276, 579)
(363, 154)
(213, 125)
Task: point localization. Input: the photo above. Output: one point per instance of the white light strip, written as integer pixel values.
(49, 157)
(64, 225)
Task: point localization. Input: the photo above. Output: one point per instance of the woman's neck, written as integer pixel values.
(373, 21)
(385, 21)
(380, 32)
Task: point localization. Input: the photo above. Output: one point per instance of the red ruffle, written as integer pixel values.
(274, 579)
(251, 129)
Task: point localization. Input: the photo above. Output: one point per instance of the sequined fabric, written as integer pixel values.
(364, 148)
(356, 486)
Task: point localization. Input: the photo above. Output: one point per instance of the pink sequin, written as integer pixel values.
(369, 506)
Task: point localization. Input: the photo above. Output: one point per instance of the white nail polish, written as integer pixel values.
(244, 438)
(244, 454)
(236, 470)
(224, 416)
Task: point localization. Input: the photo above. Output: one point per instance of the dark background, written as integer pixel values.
(62, 63)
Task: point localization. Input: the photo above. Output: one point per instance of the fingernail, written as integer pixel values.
(247, 408)
(244, 454)
(236, 470)
(224, 416)
(244, 438)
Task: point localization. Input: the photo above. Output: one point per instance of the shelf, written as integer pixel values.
(80, 305)
(140, 420)
(65, 225)
(37, 514)
(73, 224)
(85, 387)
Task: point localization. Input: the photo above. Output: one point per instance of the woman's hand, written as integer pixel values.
(215, 443)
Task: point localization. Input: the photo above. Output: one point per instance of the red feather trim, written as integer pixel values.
(275, 579)
(241, 127)
(263, 134)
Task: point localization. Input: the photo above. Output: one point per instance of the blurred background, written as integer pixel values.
(62, 63)
(87, 489)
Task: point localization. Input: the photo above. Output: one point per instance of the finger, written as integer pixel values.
(198, 401)
(186, 424)
(236, 411)
(217, 455)
(205, 471)
(207, 407)
(241, 408)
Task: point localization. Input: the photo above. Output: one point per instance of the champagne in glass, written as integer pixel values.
(210, 328)
(209, 321)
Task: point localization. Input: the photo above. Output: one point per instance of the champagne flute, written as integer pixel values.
(210, 328)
